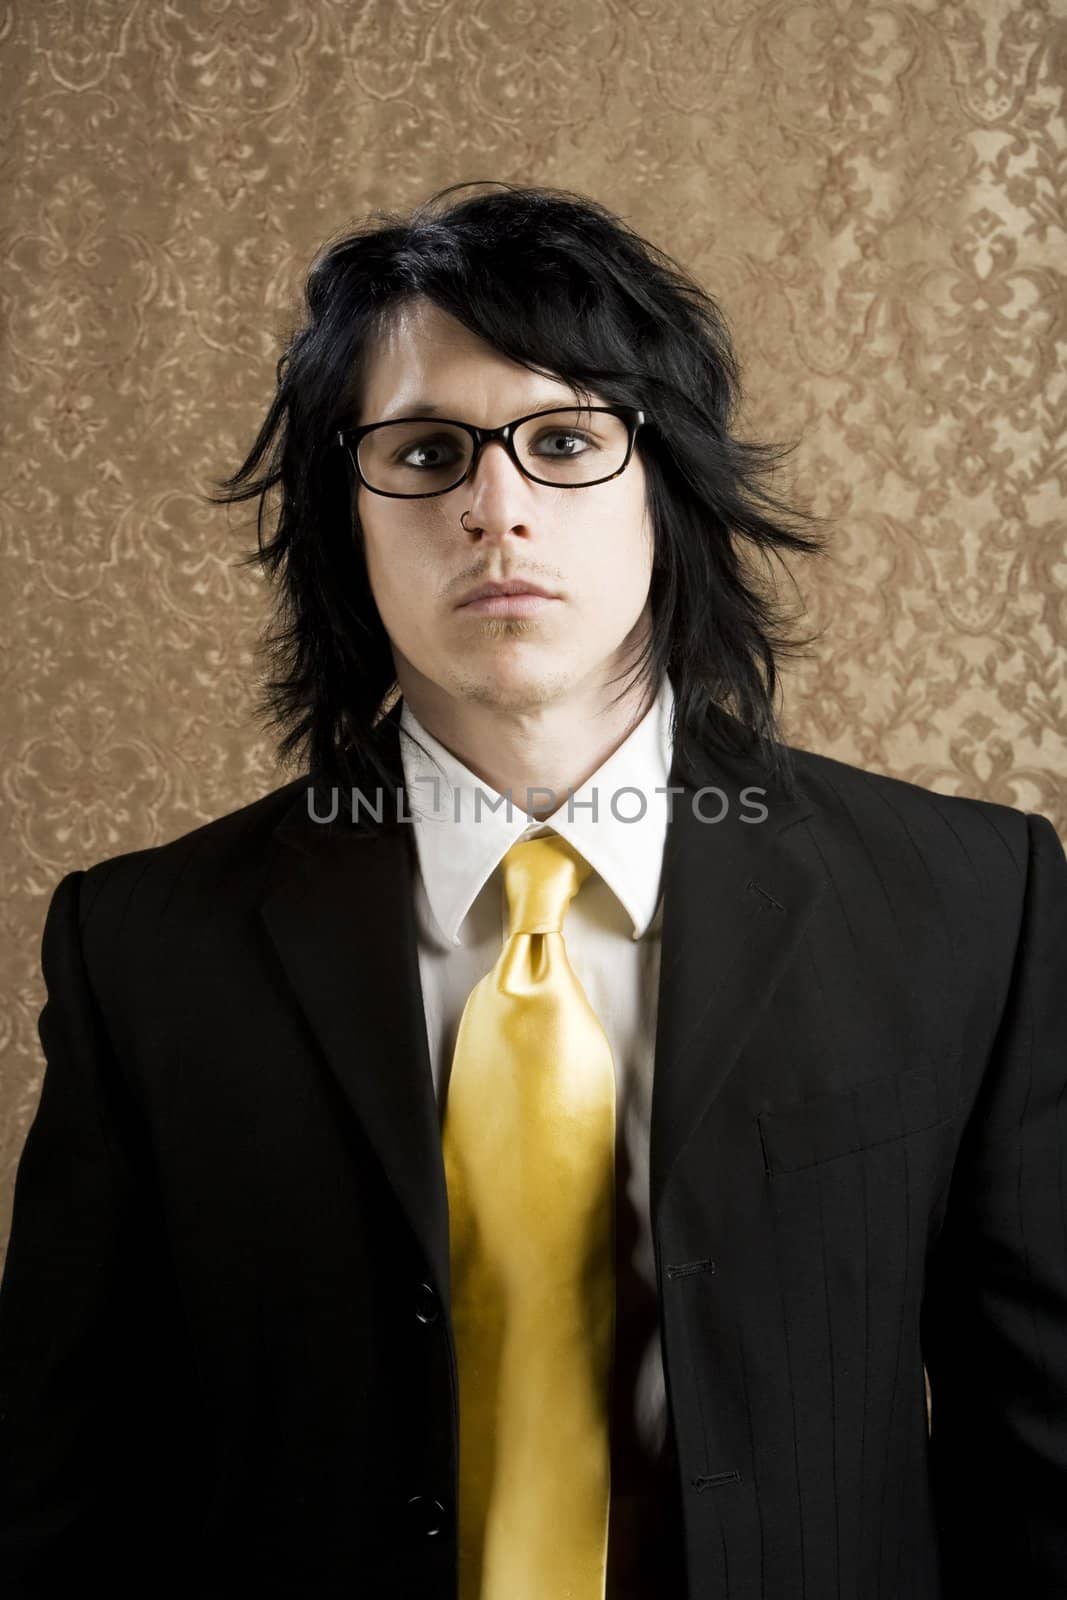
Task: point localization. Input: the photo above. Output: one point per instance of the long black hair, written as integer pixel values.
(560, 285)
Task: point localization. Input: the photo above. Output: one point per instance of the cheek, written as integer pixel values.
(617, 561)
(384, 575)
(403, 577)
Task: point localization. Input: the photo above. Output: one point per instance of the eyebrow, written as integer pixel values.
(429, 408)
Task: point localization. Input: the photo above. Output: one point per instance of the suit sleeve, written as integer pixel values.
(995, 1309)
(87, 1378)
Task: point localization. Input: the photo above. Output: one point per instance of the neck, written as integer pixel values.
(524, 750)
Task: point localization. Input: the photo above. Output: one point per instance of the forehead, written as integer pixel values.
(424, 355)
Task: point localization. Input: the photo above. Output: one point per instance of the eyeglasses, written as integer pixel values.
(567, 448)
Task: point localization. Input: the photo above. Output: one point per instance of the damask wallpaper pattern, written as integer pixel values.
(876, 193)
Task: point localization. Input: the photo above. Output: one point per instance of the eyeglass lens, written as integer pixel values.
(570, 447)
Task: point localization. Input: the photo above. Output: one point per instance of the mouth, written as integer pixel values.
(506, 597)
(524, 603)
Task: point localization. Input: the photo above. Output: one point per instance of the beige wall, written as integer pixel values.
(877, 194)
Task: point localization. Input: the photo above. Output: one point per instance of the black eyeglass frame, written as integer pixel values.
(634, 418)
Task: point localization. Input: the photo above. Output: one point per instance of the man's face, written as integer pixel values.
(590, 546)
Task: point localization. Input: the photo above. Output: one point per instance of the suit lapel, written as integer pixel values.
(339, 909)
(737, 895)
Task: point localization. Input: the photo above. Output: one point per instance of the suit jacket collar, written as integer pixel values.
(339, 909)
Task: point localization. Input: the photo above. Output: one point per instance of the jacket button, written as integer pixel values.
(425, 1514)
(426, 1306)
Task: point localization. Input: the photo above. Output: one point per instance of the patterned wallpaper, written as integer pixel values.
(875, 192)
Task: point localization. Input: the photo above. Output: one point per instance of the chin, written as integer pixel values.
(512, 690)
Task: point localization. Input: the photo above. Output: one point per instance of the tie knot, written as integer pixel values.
(541, 878)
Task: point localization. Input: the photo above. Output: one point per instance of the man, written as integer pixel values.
(431, 1196)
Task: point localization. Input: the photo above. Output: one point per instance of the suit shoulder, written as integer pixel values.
(237, 842)
(881, 804)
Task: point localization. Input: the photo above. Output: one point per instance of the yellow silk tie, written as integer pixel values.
(529, 1149)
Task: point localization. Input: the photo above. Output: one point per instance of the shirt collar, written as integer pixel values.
(460, 839)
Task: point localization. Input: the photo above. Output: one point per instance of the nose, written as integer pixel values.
(497, 495)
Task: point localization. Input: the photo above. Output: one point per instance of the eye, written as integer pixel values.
(441, 451)
(570, 435)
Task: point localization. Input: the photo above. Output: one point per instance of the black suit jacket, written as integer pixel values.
(225, 1355)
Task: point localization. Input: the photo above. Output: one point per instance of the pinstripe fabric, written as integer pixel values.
(883, 1183)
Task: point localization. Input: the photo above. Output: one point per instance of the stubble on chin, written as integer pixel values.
(506, 691)
(508, 627)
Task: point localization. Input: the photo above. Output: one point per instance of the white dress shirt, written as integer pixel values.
(611, 932)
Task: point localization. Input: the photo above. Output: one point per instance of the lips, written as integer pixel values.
(511, 586)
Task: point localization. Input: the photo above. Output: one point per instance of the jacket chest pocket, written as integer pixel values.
(848, 1121)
